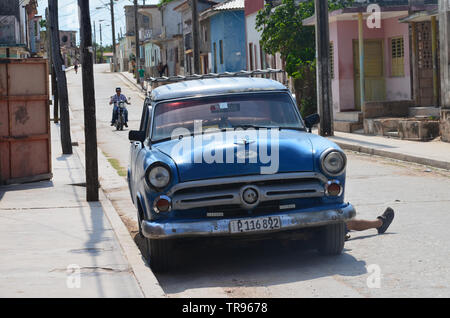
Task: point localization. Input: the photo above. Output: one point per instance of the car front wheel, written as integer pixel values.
(332, 239)
(159, 254)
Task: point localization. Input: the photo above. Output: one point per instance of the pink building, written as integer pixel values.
(386, 58)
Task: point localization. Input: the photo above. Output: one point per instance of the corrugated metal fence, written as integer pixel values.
(25, 153)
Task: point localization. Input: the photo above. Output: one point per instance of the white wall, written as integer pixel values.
(253, 36)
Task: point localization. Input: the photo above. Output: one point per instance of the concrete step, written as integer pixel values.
(347, 126)
(393, 134)
(353, 116)
(424, 112)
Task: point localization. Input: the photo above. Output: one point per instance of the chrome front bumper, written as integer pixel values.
(220, 227)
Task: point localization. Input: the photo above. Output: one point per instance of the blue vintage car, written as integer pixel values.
(232, 157)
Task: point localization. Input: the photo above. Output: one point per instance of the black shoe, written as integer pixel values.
(386, 218)
(112, 124)
(126, 125)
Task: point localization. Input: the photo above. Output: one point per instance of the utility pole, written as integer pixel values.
(95, 45)
(101, 44)
(52, 70)
(136, 33)
(195, 36)
(66, 141)
(324, 98)
(90, 126)
(113, 37)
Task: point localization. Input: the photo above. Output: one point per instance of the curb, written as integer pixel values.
(145, 278)
(395, 155)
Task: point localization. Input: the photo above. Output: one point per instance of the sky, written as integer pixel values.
(68, 16)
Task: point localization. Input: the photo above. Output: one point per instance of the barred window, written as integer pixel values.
(397, 57)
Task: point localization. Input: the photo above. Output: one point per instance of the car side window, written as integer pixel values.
(144, 116)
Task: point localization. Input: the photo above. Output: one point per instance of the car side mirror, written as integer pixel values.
(136, 135)
(311, 121)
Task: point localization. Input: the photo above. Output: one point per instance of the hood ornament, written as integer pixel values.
(244, 142)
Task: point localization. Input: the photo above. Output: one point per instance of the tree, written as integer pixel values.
(282, 31)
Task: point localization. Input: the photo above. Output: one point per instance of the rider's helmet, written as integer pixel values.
(118, 89)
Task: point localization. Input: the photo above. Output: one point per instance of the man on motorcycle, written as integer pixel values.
(115, 100)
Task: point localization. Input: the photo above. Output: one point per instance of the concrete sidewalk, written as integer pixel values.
(433, 153)
(47, 227)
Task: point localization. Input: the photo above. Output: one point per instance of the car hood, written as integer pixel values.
(220, 154)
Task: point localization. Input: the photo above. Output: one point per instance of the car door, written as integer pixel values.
(136, 147)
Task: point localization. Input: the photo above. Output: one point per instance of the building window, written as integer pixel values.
(261, 57)
(250, 51)
(221, 51)
(205, 35)
(145, 22)
(256, 56)
(215, 57)
(397, 57)
(332, 60)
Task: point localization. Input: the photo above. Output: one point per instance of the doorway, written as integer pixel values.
(375, 86)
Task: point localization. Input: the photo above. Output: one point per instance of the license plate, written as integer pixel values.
(255, 224)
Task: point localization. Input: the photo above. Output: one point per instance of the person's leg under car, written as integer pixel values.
(381, 224)
(362, 225)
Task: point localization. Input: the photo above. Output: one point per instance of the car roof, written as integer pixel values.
(215, 86)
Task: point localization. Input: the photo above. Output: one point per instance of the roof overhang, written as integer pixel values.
(351, 14)
(226, 6)
(182, 6)
(148, 10)
(421, 16)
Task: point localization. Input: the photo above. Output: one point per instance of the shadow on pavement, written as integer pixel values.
(368, 236)
(25, 186)
(245, 264)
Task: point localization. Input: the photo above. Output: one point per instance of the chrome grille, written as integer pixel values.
(227, 191)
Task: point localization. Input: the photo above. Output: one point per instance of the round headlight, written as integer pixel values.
(333, 162)
(158, 177)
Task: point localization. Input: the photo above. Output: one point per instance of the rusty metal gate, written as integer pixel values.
(25, 154)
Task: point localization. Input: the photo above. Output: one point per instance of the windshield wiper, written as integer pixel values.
(180, 137)
(293, 128)
(251, 126)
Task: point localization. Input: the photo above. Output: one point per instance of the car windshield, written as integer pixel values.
(258, 110)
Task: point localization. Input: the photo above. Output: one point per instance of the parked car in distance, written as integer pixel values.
(232, 157)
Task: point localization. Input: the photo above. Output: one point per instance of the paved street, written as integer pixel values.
(412, 257)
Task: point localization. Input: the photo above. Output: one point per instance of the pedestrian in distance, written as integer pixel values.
(381, 224)
(161, 69)
(141, 72)
(76, 67)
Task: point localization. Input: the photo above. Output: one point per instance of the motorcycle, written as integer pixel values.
(120, 121)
